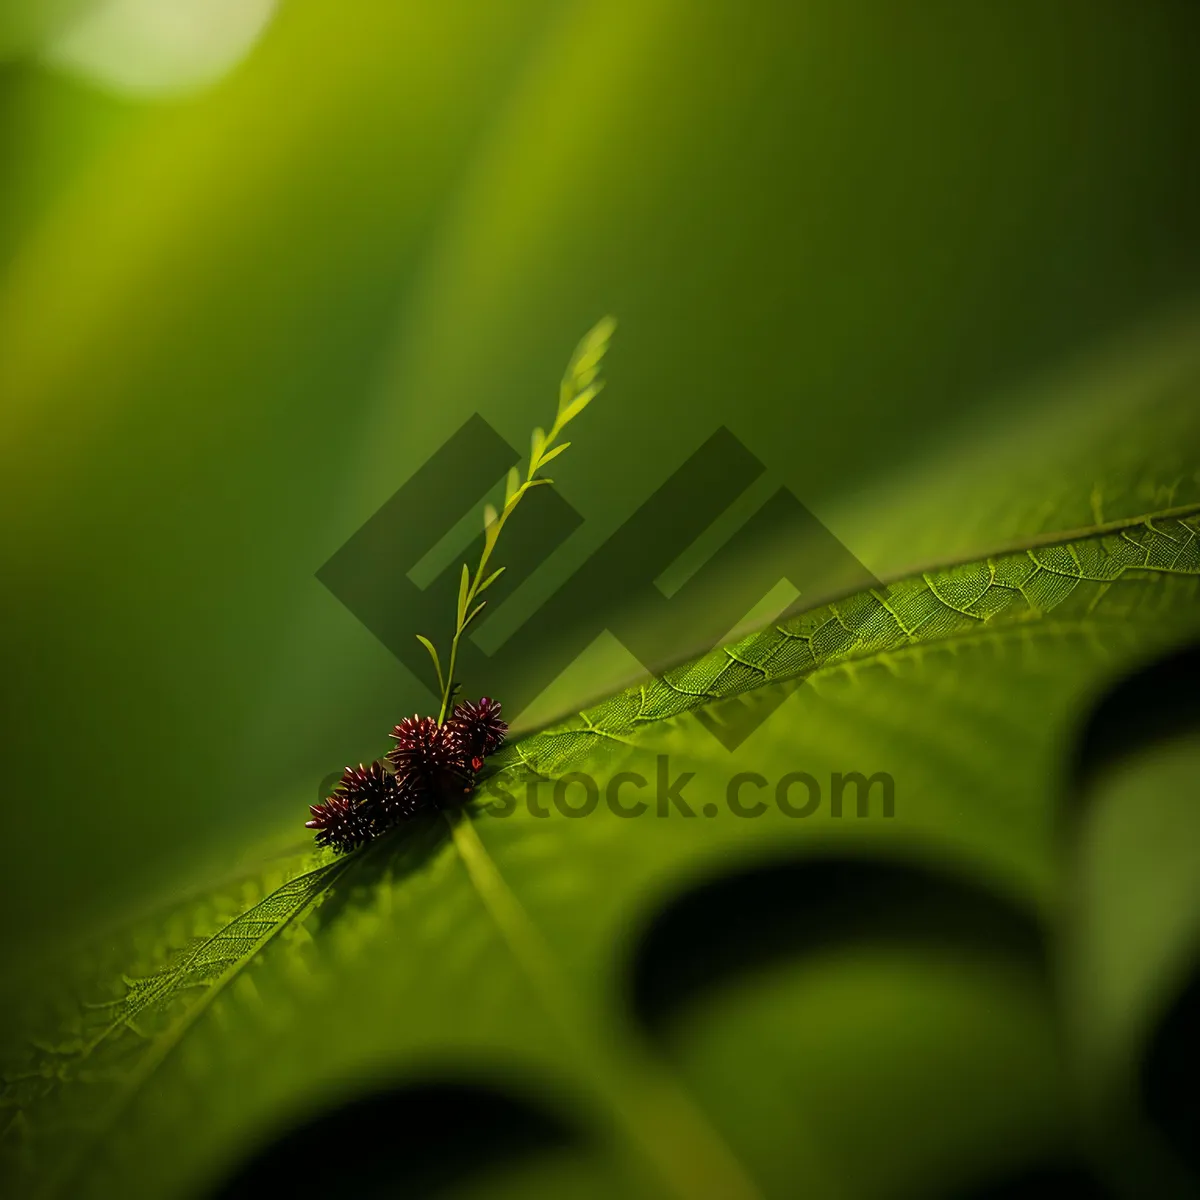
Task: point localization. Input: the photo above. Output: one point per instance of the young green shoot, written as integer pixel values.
(581, 383)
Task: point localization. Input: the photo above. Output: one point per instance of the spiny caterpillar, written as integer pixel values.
(429, 766)
(435, 760)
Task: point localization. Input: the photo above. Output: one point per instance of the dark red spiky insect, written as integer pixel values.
(432, 755)
(381, 797)
(366, 801)
(479, 728)
(340, 823)
(432, 765)
(406, 798)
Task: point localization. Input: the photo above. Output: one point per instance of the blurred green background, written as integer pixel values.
(240, 303)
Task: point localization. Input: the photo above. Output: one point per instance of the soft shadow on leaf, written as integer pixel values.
(1131, 841)
(420, 1140)
(385, 862)
(1145, 709)
(733, 926)
(817, 991)
(1170, 1074)
(1048, 1181)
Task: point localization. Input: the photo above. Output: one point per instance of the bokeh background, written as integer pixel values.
(258, 261)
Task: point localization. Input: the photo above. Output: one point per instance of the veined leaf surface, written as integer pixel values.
(511, 953)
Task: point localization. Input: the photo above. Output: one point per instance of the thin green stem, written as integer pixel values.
(579, 386)
(489, 544)
(472, 592)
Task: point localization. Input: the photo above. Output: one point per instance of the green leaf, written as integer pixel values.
(554, 453)
(592, 349)
(437, 662)
(464, 583)
(512, 484)
(487, 583)
(491, 579)
(537, 443)
(491, 526)
(581, 371)
(474, 613)
(963, 683)
(158, 981)
(571, 410)
(1019, 587)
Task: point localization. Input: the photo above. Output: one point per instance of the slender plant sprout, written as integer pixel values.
(580, 386)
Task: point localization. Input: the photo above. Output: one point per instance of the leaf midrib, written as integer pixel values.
(890, 579)
(669, 1133)
(165, 1043)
